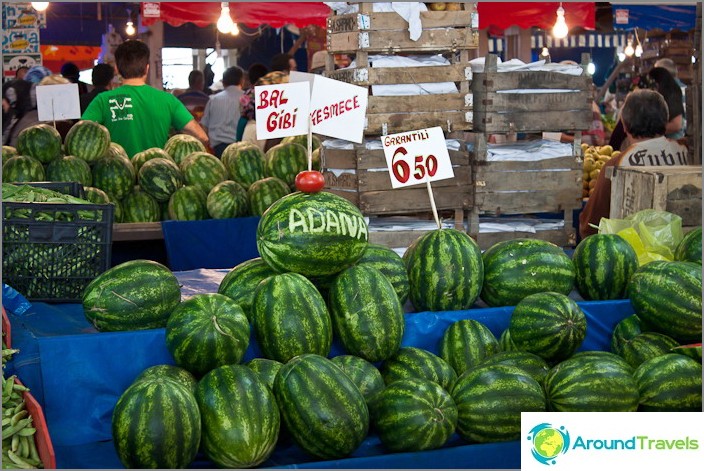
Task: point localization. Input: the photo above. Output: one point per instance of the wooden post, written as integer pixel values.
(155, 41)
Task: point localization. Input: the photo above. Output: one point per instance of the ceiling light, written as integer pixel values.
(225, 24)
(129, 29)
(560, 29)
(629, 51)
(638, 51)
(591, 68)
(545, 52)
(40, 6)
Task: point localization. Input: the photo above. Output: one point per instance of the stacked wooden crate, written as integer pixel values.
(365, 180)
(535, 186)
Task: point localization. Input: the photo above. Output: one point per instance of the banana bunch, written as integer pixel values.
(444, 6)
(595, 157)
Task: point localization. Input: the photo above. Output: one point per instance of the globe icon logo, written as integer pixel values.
(548, 442)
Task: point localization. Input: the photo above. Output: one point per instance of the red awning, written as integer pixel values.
(251, 14)
(503, 15)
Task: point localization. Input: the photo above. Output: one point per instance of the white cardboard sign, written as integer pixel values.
(58, 102)
(415, 157)
(282, 110)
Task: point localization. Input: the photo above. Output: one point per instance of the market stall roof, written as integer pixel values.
(664, 17)
(253, 14)
(503, 15)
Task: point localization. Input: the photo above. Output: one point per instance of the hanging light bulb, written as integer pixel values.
(591, 68)
(129, 29)
(629, 51)
(40, 6)
(560, 29)
(638, 51)
(225, 24)
(545, 52)
(235, 29)
(621, 56)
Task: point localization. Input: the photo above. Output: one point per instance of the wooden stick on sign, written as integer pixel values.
(432, 204)
(310, 143)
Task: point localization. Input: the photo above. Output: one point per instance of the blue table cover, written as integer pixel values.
(77, 375)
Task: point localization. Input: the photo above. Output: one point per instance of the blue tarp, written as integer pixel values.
(664, 17)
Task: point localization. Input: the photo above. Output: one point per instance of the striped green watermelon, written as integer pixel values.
(244, 162)
(505, 341)
(413, 415)
(140, 206)
(303, 141)
(670, 383)
(176, 373)
(391, 265)
(693, 350)
(180, 146)
(363, 374)
(41, 141)
(592, 382)
(263, 193)
(239, 415)
(240, 283)
(367, 316)
(289, 318)
(139, 294)
(115, 176)
(266, 369)
(627, 329)
(203, 170)
(156, 424)
(116, 150)
(227, 200)
(466, 343)
(690, 247)
(413, 362)
(87, 140)
(603, 265)
(445, 271)
(314, 234)
(322, 408)
(96, 195)
(490, 400)
(68, 168)
(551, 325)
(285, 161)
(140, 158)
(515, 268)
(117, 214)
(645, 346)
(188, 203)
(7, 152)
(531, 363)
(206, 331)
(22, 168)
(668, 297)
(160, 178)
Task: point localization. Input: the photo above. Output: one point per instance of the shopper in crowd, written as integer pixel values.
(102, 77)
(644, 117)
(137, 115)
(222, 111)
(254, 73)
(317, 62)
(194, 97)
(71, 71)
(671, 67)
(18, 98)
(21, 72)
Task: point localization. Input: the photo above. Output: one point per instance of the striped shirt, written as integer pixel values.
(221, 116)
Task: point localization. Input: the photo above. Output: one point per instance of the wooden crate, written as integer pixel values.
(675, 189)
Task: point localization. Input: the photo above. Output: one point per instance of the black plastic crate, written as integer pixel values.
(67, 188)
(51, 251)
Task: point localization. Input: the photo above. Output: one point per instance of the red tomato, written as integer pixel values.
(310, 181)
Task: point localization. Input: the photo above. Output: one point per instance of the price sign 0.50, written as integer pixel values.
(415, 157)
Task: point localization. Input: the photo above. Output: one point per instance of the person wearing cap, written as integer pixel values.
(102, 77)
(71, 71)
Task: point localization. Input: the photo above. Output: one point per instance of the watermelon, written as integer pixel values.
(188, 203)
(22, 168)
(115, 176)
(116, 150)
(627, 329)
(551, 325)
(391, 265)
(244, 162)
(156, 423)
(180, 146)
(514, 269)
(363, 374)
(285, 161)
(322, 408)
(531, 363)
(592, 382)
(445, 271)
(413, 415)
(240, 282)
(302, 140)
(668, 297)
(603, 265)
(160, 178)
(368, 329)
(207, 331)
(266, 369)
(670, 383)
(227, 200)
(645, 346)
(7, 152)
(140, 158)
(300, 324)
(239, 415)
(140, 206)
(466, 343)
(690, 247)
(134, 295)
(87, 140)
(68, 168)
(203, 170)
(96, 195)
(176, 373)
(413, 362)
(490, 400)
(314, 234)
(117, 214)
(263, 193)
(505, 341)
(41, 141)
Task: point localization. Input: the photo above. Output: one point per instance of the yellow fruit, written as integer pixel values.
(599, 164)
(594, 174)
(604, 158)
(585, 146)
(588, 165)
(437, 6)
(453, 6)
(585, 184)
(592, 184)
(615, 154)
(606, 150)
(585, 176)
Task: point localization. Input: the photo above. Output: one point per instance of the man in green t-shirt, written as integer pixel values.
(137, 115)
